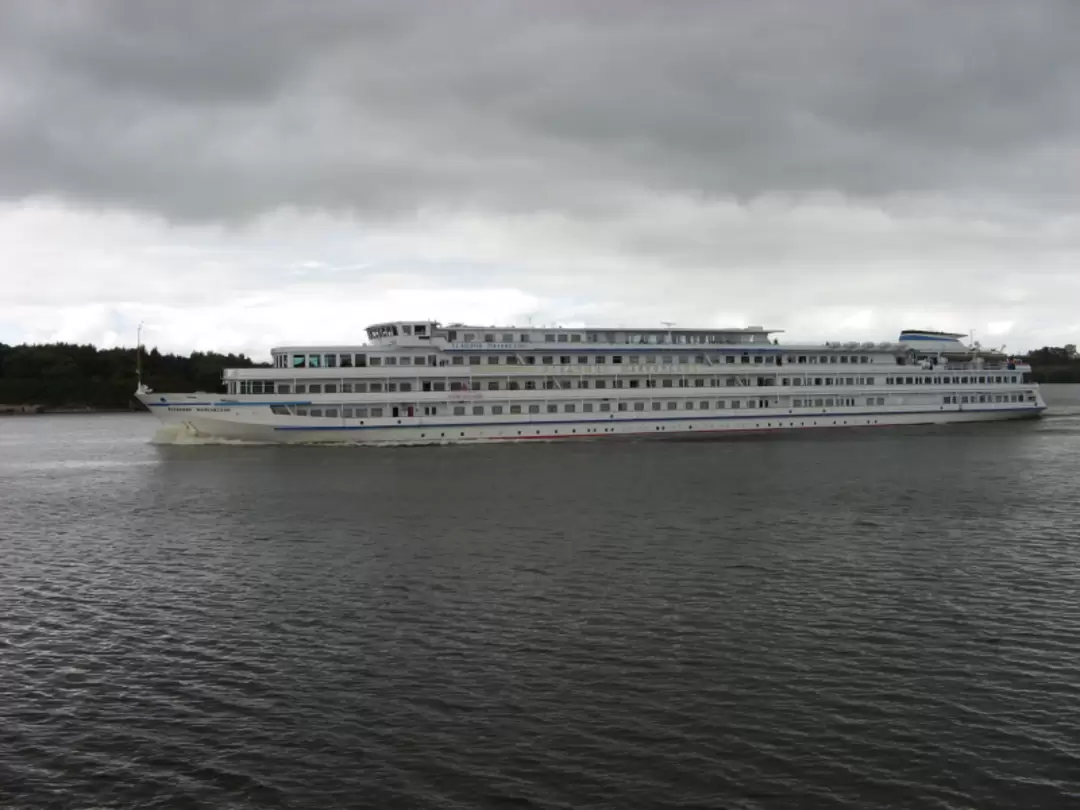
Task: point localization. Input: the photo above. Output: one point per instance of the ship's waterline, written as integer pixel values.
(423, 383)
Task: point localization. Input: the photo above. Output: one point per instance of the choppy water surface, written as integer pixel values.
(878, 619)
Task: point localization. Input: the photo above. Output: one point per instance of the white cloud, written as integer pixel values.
(817, 268)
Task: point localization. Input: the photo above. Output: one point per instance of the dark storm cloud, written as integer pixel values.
(224, 110)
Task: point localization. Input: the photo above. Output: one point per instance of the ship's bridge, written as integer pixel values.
(401, 333)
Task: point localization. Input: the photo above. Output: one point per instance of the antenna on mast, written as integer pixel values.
(139, 387)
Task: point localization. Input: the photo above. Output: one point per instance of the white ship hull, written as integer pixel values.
(247, 425)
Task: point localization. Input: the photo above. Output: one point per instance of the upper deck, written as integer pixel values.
(430, 343)
(432, 334)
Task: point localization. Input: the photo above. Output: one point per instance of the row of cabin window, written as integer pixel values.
(352, 412)
(547, 385)
(652, 359)
(553, 385)
(631, 338)
(972, 398)
(830, 402)
(267, 387)
(348, 412)
(351, 360)
(955, 380)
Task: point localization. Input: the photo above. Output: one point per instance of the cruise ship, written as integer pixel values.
(420, 382)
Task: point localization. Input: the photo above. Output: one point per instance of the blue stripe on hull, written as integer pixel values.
(741, 417)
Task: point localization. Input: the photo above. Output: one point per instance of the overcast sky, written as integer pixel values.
(249, 173)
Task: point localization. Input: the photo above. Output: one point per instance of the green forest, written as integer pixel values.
(68, 376)
(1052, 364)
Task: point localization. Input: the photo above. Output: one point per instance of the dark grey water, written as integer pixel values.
(883, 619)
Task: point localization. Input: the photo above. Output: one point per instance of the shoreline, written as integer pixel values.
(45, 410)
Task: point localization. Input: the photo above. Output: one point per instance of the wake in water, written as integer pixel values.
(185, 435)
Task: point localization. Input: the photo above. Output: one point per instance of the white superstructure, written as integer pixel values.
(419, 382)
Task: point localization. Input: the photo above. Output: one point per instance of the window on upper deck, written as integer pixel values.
(314, 361)
(469, 337)
(376, 361)
(451, 335)
(489, 337)
(299, 361)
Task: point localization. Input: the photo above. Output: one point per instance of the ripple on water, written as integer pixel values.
(860, 621)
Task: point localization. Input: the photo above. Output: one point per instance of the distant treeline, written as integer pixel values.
(1052, 364)
(64, 375)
